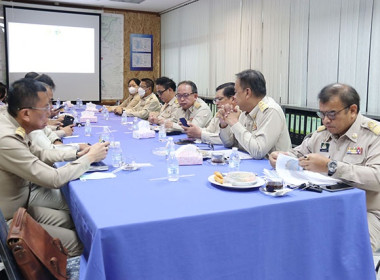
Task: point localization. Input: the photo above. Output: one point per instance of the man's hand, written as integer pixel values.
(118, 110)
(193, 131)
(168, 124)
(68, 130)
(54, 122)
(153, 117)
(228, 115)
(96, 152)
(314, 162)
(273, 157)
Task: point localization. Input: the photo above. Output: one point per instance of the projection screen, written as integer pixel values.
(62, 44)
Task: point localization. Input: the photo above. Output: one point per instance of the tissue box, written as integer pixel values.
(91, 118)
(188, 155)
(91, 107)
(139, 134)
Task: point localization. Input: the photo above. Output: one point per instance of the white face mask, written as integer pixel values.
(141, 92)
(132, 90)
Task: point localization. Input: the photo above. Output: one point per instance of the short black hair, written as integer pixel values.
(31, 75)
(137, 81)
(254, 80)
(347, 94)
(229, 89)
(23, 93)
(149, 83)
(190, 83)
(46, 79)
(166, 83)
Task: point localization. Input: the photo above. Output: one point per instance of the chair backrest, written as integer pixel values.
(10, 265)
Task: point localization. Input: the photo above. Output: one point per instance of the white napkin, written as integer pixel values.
(97, 175)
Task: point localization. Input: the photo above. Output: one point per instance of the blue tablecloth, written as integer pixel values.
(134, 228)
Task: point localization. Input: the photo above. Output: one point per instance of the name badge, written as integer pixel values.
(325, 146)
(354, 150)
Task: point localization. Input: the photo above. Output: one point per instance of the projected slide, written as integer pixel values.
(55, 49)
(62, 44)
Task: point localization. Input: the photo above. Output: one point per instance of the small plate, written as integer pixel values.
(281, 192)
(259, 182)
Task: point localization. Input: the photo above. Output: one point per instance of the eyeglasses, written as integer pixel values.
(161, 92)
(330, 114)
(185, 95)
(217, 99)
(47, 108)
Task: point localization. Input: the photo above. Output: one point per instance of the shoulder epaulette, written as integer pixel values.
(197, 105)
(321, 128)
(374, 127)
(20, 132)
(263, 106)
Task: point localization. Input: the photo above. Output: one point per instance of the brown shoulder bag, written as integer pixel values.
(38, 255)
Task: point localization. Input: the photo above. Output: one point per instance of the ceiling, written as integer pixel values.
(156, 6)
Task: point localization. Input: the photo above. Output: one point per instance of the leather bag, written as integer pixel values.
(38, 255)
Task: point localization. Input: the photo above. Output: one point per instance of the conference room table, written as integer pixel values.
(136, 228)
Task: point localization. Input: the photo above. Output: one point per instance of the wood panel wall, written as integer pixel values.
(140, 23)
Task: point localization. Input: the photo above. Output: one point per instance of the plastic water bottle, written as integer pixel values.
(135, 122)
(105, 136)
(87, 128)
(106, 115)
(79, 103)
(162, 133)
(172, 162)
(124, 119)
(117, 155)
(234, 161)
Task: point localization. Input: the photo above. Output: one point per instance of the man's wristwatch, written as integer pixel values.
(331, 167)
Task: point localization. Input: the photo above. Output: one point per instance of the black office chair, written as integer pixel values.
(10, 264)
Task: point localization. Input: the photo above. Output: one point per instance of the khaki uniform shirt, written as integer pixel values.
(21, 163)
(131, 101)
(210, 134)
(357, 153)
(198, 114)
(146, 105)
(259, 132)
(169, 109)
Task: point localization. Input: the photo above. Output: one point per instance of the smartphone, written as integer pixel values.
(184, 122)
(68, 120)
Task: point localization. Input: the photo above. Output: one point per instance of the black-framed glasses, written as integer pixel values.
(161, 92)
(330, 114)
(184, 95)
(217, 99)
(47, 108)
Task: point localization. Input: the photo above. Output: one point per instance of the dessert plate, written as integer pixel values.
(259, 182)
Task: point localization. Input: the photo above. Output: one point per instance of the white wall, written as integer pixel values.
(299, 45)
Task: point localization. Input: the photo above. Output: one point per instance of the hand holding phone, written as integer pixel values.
(68, 120)
(184, 122)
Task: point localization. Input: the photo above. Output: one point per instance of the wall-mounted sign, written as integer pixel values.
(141, 52)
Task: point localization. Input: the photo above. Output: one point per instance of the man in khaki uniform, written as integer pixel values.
(210, 134)
(260, 127)
(346, 147)
(131, 101)
(148, 102)
(165, 89)
(24, 166)
(193, 109)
